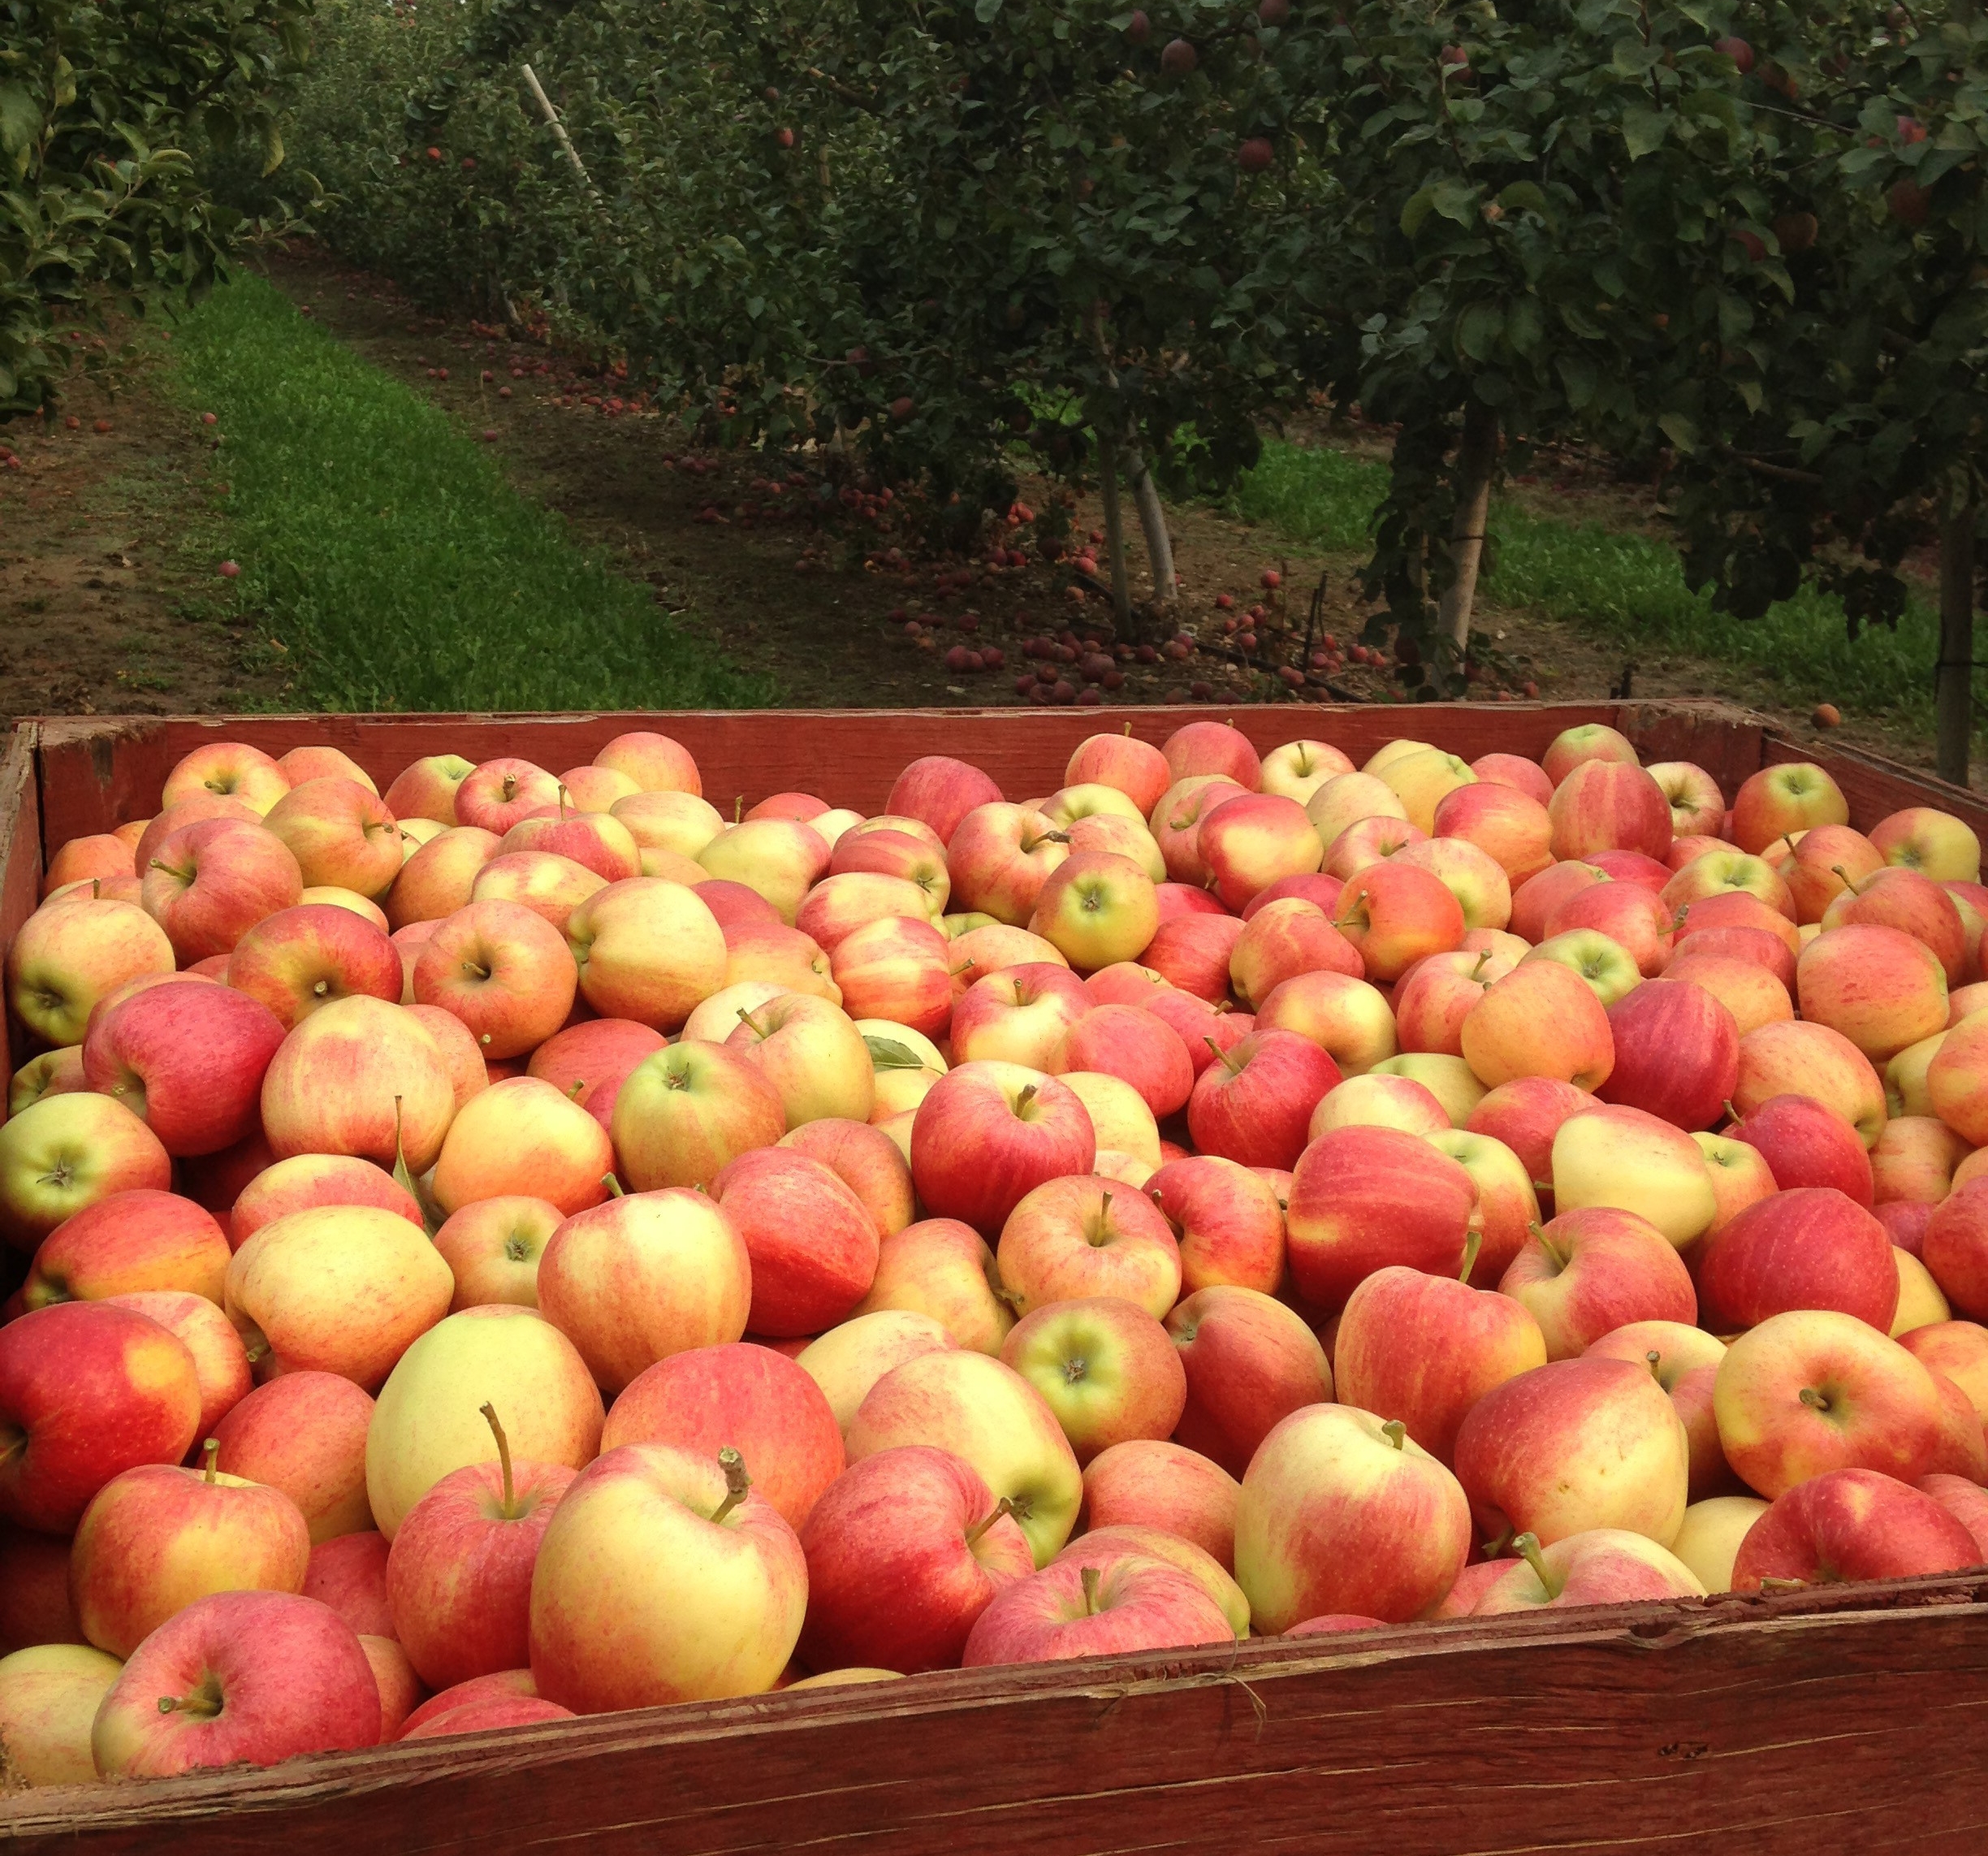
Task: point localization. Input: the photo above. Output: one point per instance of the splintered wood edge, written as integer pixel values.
(1643, 1629)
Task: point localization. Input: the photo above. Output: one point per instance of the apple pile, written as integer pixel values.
(525, 1246)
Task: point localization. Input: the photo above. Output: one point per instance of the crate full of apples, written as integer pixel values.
(525, 1245)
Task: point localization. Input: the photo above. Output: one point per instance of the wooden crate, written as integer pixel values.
(1852, 1716)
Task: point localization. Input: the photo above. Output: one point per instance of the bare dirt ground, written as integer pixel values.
(109, 548)
(110, 540)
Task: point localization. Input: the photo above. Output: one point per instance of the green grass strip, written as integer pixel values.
(1628, 588)
(394, 563)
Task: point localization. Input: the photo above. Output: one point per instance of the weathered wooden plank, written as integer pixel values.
(1787, 1726)
(20, 851)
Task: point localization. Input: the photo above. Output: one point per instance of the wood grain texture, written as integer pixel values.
(1849, 1717)
(21, 855)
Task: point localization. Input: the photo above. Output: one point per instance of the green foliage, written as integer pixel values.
(1629, 589)
(104, 112)
(397, 568)
(797, 217)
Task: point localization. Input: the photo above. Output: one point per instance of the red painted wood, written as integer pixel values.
(20, 852)
(1847, 1718)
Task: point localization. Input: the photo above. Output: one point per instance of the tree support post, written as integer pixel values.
(1476, 459)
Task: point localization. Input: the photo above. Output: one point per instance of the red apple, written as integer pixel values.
(157, 1538)
(1573, 1445)
(1362, 1198)
(341, 835)
(1196, 953)
(1526, 1115)
(229, 769)
(1341, 1512)
(1105, 1368)
(1144, 1483)
(811, 1242)
(1879, 987)
(132, 1241)
(306, 1434)
(1213, 747)
(903, 1553)
(1594, 1270)
(1790, 796)
(68, 955)
(746, 1395)
(87, 1391)
(359, 1077)
(425, 789)
(1813, 1390)
(1609, 804)
(254, 1677)
(1066, 1610)
(1253, 1105)
(308, 1179)
(1394, 915)
(220, 1360)
(301, 958)
(460, 1573)
(209, 883)
(988, 1134)
(1136, 768)
(188, 1058)
(1805, 1144)
(1541, 1019)
(504, 971)
(1851, 1525)
(1250, 1361)
(1228, 1222)
(1604, 1566)
(1677, 1054)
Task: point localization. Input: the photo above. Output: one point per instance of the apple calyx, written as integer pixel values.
(1089, 1577)
(509, 1510)
(613, 1186)
(737, 1482)
(1396, 1433)
(1473, 1244)
(210, 1457)
(1527, 1547)
(1003, 1507)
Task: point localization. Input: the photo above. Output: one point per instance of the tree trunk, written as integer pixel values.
(1953, 678)
(1114, 541)
(1476, 457)
(1152, 521)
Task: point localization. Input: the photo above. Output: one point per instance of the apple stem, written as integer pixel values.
(562, 802)
(577, 1090)
(1222, 1057)
(509, 1510)
(1814, 1401)
(1769, 1587)
(1546, 1243)
(210, 1458)
(613, 1186)
(745, 1012)
(1090, 1578)
(1842, 873)
(1395, 1432)
(1496, 1546)
(1127, 731)
(1732, 1114)
(1480, 966)
(96, 889)
(1003, 1507)
(1528, 1548)
(1027, 1096)
(1472, 1245)
(738, 809)
(205, 1706)
(737, 1482)
(1656, 1365)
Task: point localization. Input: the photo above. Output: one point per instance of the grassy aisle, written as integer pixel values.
(388, 555)
(1628, 588)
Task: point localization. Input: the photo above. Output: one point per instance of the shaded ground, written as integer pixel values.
(783, 577)
(109, 543)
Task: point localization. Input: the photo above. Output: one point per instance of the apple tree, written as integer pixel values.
(1537, 208)
(105, 111)
(1865, 434)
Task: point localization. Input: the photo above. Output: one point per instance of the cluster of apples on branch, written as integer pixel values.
(524, 1245)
